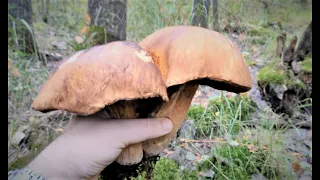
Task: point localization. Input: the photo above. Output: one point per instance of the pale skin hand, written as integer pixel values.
(89, 144)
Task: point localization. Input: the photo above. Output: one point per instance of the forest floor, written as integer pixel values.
(225, 136)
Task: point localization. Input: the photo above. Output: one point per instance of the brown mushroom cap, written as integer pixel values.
(187, 57)
(185, 53)
(92, 79)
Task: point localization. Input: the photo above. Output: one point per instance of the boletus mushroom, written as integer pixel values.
(116, 80)
(187, 57)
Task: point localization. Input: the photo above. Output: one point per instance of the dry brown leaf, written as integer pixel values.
(251, 148)
(59, 130)
(88, 20)
(84, 30)
(15, 72)
(245, 137)
(198, 158)
(9, 64)
(78, 39)
(296, 166)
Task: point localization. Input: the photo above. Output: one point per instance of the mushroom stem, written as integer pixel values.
(133, 153)
(176, 109)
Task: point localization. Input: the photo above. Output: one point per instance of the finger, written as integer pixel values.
(137, 130)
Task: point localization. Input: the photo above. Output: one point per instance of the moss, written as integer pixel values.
(166, 169)
(189, 175)
(195, 112)
(296, 83)
(307, 65)
(258, 32)
(238, 163)
(269, 74)
(141, 176)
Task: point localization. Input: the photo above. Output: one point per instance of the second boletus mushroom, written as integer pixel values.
(187, 57)
(116, 80)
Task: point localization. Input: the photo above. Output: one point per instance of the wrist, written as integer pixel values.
(53, 162)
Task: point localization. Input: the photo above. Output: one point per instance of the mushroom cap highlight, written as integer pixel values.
(91, 79)
(187, 53)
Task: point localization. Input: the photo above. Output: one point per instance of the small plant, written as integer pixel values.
(269, 74)
(166, 169)
(228, 112)
(195, 112)
(307, 65)
(240, 162)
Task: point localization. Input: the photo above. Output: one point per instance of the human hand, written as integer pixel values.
(89, 144)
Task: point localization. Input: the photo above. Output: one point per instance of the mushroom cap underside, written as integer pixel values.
(91, 79)
(189, 53)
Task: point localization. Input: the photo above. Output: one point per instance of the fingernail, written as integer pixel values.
(167, 125)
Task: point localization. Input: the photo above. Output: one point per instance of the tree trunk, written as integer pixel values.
(288, 52)
(305, 45)
(21, 9)
(216, 26)
(200, 13)
(111, 15)
(45, 10)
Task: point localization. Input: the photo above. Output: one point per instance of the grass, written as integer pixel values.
(307, 65)
(259, 151)
(222, 115)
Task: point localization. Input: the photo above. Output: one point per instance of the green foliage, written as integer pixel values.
(145, 17)
(166, 169)
(141, 176)
(188, 175)
(307, 65)
(269, 74)
(20, 162)
(228, 112)
(195, 112)
(239, 163)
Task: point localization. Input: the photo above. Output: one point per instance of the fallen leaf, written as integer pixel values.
(59, 130)
(296, 166)
(9, 64)
(15, 72)
(78, 39)
(264, 147)
(31, 119)
(84, 30)
(198, 158)
(251, 148)
(87, 17)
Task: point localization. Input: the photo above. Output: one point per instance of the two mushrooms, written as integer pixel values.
(156, 78)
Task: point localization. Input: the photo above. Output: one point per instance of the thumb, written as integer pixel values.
(137, 130)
